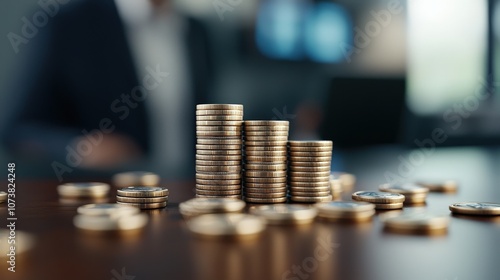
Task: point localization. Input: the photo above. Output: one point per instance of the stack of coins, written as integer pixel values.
(218, 150)
(265, 161)
(415, 223)
(108, 217)
(234, 225)
(448, 186)
(347, 180)
(309, 171)
(201, 206)
(3, 197)
(135, 178)
(351, 211)
(414, 194)
(83, 190)
(381, 200)
(143, 197)
(476, 208)
(283, 214)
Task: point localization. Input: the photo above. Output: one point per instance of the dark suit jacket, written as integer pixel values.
(77, 66)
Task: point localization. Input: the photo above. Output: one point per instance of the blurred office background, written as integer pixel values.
(362, 73)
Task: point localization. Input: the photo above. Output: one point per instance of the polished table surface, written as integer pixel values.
(165, 249)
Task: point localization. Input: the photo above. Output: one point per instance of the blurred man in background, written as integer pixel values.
(108, 82)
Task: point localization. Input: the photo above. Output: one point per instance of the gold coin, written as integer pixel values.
(218, 187)
(218, 128)
(214, 182)
(265, 185)
(265, 195)
(219, 112)
(266, 153)
(265, 167)
(294, 193)
(142, 191)
(309, 184)
(476, 208)
(285, 214)
(200, 162)
(309, 189)
(311, 199)
(218, 147)
(219, 107)
(216, 157)
(220, 118)
(388, 206)
(142, 199)
(378, 197)
(266, 200)
(265, 189)
(309, 149)
(219, 123)
(448, 186)
(136, 178)
(218, 192)
(309, 159)
(265, 143)
(218, 168)
(266, 123)
(235, 196)
(309, 179)
(403, 189)
(309, 174)
(309, 164)
(84, 189)
(224, 225)
(218, 176)
(323, 143)
(265, 149)
(266, 128)
(265, 138)
(309, 168)
(236, 152)
(276, 159)
(267, 133)
(415, 199)
(265, 180)
(310, 154)
(219, 141)
(264, 174)
(146, 205)
(219, 133)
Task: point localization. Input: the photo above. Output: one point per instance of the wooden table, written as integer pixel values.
(166, 250)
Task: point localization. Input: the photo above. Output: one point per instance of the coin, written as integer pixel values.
(142, 191)
(265, 195)
(220, 118)
(217, 147)
(309, 168)
(105, 223)
(267, 133)
(218, 192)
(266, 128)
(388, 206)
(266, 153)
(445, 186)
(143, 200)
(214, 182)
(309, 189)
(285, 214)
(309, 164)
(235, 134)
(218, 187)
(309, 179)
(415, 222)
(217, 141)
(378, 197)
(309, 149)
(224, 225)
(87, 189)
(218, 176)
(219, 112)
(215, 157)
(265, 185)
(311, 199)
(136, 178)
(3, 196)
(219, 107)
(217, 162)
(344, 207)
(109, 209)
(265, 180)
(266, 123)
(221, 123)
(415, 198)
(311, 154)
(309, 159)
(218, 128)
(236, 196)
(265, 143)
(404, 189)
(219, 152)
(346, 180)
(266, 200)
(265, 159)
(323, 143)
(310, 193)
(155, 205)
(309, 174)
(265, 138)
(265, 174)
(347, 217)
(476, 208)
(309, 184)
(265, 149)
(218, 168)
(264, 189)
(212, 205)
(265, 167)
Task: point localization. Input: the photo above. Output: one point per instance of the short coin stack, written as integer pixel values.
(351, 211)
(381, 200)
(309, 171)
(109, 217)
(218, 150)
(414, 194)
(265, 161)
(143, 197)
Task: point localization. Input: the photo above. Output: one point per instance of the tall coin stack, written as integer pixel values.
(265, 159)
(309, 171)
(218, 150)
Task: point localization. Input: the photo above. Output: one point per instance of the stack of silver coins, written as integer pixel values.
(265, 150)
(309, 171)
(143, 197)
(218, 150)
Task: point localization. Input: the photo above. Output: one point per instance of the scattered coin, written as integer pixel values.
(476, 208)
(3, 196)
(285, 214)
(415, 222)
(136, 178)
(105, 223)
(388, 206)
(213, 205)
(404, 189)
(378, 197)
(146, 205)
(224, 225)
(448, 186)
(87, 189)
(346, 210)
(346, 180)
(107, 209)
